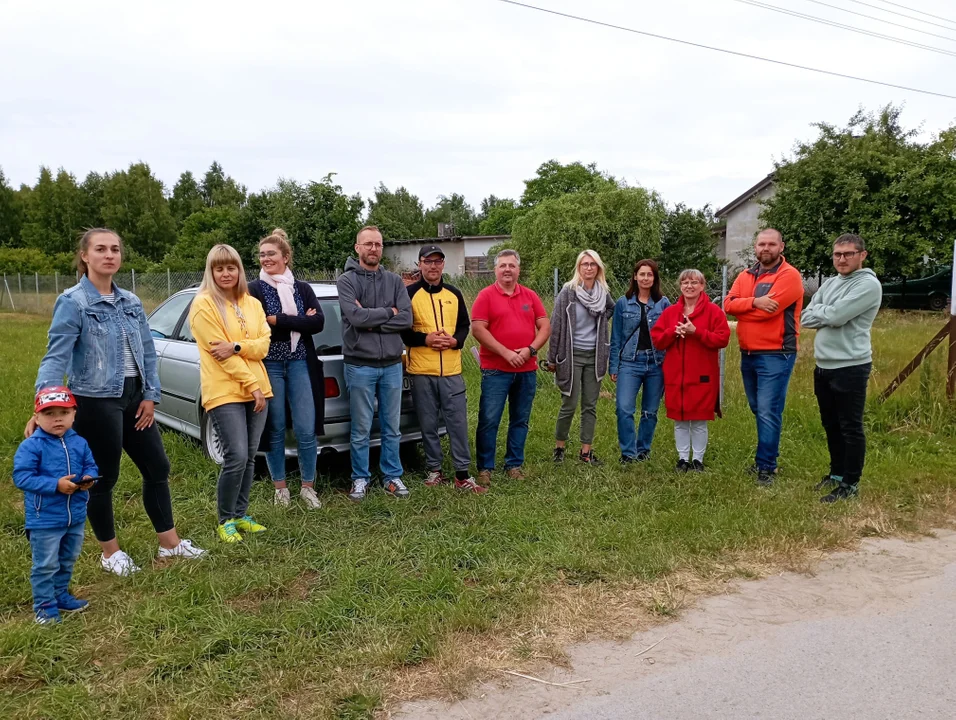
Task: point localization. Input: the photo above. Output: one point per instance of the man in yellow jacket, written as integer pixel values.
(439, 329)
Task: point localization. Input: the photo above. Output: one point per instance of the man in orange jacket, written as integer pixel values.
(766, 299)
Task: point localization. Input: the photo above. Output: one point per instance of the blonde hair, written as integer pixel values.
(222, 255)
(84, 246)
(576, 279)
(280, 239)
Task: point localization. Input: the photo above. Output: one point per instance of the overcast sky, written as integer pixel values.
(446, 96)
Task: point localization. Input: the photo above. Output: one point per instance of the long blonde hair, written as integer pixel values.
(222, 255)
(576, 279)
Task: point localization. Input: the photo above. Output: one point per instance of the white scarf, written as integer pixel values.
(595, 302)
(284, 285)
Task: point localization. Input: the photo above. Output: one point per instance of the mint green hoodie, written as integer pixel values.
(842, 312)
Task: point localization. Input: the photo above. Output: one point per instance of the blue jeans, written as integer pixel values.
(290, 380)
(631, 376)
(239, 428)
(55, 551)
(366, 385)
(766, 377)
(498, 387)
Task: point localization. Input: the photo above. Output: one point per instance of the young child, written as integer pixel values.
(54, 467)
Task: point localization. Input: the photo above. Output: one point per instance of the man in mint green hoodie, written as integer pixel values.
(842, 312)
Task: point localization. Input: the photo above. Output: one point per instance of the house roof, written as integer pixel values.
(455, 239)
(737, 202)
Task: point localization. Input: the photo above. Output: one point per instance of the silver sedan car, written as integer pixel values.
(181, 406)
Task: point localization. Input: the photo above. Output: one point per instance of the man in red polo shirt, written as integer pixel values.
(511, 325)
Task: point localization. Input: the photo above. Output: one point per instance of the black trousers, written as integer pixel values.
(841, 395)
(109, 427)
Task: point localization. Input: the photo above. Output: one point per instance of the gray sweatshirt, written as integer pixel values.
(370, 328)
(842, 312)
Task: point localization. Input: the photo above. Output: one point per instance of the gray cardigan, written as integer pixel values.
(560, 346)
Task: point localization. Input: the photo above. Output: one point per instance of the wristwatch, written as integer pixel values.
(237, 347)
(533, 351)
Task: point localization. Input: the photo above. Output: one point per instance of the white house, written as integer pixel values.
(742, 222)
(464, 255)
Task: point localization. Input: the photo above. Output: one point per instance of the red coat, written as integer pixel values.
(692, 365)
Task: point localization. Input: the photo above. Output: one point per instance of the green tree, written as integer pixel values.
(201, 230)
(11, 214)
(873, 178)
(186, 198)
(553, 179)
(135, 206)
(452, 209)
(399, 214)
(220, 190)
(687, 241)
(56, 213)
(92, 190)
(497, 215)
(621, 225)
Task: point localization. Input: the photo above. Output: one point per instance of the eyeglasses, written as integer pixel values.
(371, 246)
(846, 255)
(439, 261)
(264, 255)
(589, 265)
(691, 282)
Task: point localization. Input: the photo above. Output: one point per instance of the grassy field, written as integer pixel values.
(337, 612)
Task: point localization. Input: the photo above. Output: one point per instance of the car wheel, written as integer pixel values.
(938, 302)
(211, 442)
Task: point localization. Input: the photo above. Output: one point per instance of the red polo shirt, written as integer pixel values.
(511, 320)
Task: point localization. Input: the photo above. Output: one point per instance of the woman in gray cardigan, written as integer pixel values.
(579, 350)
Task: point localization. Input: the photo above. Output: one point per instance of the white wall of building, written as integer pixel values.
(743, 223)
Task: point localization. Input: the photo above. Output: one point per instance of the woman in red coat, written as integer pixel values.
(692, 331)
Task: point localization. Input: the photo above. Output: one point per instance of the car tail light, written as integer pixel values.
(331, 388)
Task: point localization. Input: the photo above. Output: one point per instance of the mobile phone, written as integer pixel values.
(86, 481)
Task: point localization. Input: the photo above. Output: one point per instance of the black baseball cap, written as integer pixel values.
(430, 250)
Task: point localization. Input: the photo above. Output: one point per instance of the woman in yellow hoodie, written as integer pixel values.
(232, 334)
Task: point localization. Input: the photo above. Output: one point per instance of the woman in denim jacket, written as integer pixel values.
(636, 362)
(100, 340)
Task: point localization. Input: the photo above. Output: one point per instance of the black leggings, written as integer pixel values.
(109, 427)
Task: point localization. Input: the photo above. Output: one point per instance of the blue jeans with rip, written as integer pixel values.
(55, 551)
(290, 383)
(643, 371)
(766, 378)
(366, 386)
(497, 388)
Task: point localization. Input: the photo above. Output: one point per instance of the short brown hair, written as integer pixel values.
(368, 228)
(280, 239)
(850, 239)
(84, 246)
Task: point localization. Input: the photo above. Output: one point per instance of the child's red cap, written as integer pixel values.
(54, 396)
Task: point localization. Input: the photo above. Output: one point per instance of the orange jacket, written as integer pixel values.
(757, 330)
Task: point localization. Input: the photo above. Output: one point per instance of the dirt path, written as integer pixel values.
(871, 635)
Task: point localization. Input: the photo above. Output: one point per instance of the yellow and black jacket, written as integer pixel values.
(434, 308)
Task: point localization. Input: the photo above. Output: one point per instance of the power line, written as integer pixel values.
(721, 50)
(908, 17)
(920, 12)
(888, 22)
(849, 28)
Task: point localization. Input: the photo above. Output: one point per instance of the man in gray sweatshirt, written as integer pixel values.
(842, 312)
(375, 310)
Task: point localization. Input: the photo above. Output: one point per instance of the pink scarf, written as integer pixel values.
(284, 285)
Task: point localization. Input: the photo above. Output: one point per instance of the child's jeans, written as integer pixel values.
(55, 551)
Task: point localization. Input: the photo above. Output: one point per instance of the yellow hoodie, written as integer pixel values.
(235, 379)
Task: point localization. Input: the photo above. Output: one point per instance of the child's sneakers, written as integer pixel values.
(69, 604)
(47, 616)
(185, 549)
(119, 563)
(227, 532)
(248, 525)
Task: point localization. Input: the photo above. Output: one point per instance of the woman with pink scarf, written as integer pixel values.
(294, 369)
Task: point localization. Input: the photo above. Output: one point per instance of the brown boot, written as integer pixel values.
(484, 478)
(515, 473)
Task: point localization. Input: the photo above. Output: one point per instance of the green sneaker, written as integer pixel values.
(227, 532)
(247, 524)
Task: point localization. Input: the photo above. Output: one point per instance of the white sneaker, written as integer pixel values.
(358, 489)
(282, 497)
(119, 563)
(185, 549)
(308, 496)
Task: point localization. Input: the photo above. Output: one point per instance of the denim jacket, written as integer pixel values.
(86, 343)
(624, 330)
